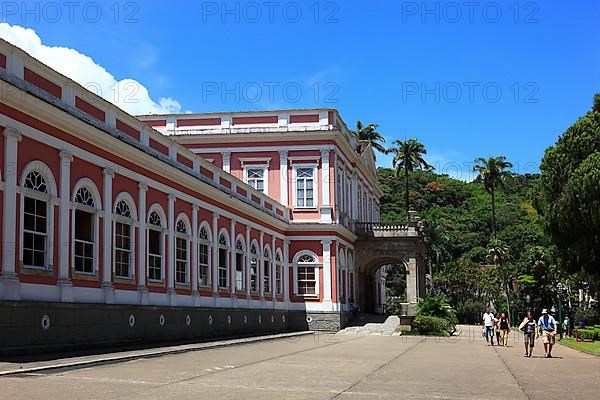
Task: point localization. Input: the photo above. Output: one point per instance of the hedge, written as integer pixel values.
(428, 325)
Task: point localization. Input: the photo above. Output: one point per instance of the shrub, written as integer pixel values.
(589, 316)
(469, 311)
(429, 325)
(590, 334)
(393, 306)
(436, 306)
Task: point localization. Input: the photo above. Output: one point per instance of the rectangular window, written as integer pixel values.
(305, 180)
(239, 272)
(84, 242)
(154, 255)
(35, 232)
(122, 250)
(307, 281)
(181, 260)
(253, 275)
(203, 264)
(267, 276)
(256, 178)
(223, 265)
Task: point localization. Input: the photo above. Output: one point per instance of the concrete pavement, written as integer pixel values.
(329, 367)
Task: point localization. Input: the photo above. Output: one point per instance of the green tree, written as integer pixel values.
(569, 200)
(499, 255)
(369, 134)
(408, 156)
(492, 173)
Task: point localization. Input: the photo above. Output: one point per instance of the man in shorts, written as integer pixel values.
(548, 325)
(488, 326)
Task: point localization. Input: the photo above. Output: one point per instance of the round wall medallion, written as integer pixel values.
(45, 322)
(131, 320)
(188, 320)
(309, 319)
(161, 320)
(210, 320)
(229, 319)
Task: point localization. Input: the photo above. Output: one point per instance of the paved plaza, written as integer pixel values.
(328, 367)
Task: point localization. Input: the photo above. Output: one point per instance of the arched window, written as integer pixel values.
(306, 266)
(85, 223)
(182, 252)
(223, 275)
(36, 219)
(267, 270)
(240, 253)
(156, 235)
(278, 273)
(204, 256)
(123, 241)
(254, 268)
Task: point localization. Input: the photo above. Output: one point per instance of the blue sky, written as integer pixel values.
(493, 78)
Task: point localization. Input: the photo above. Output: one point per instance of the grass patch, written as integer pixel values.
(590, 347)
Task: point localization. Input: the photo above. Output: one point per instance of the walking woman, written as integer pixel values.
(529, 328)
(497, 328)
(504, 329)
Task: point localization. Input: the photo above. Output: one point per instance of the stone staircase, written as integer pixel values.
(389, 327)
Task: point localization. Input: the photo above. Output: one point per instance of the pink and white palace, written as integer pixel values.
(117, 227)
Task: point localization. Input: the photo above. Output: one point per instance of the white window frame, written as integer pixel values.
(50, 199)
(241, 252)
(278, 278)
(187, 237)
(265, 169)
(132, 222)
(317, 266)
(95, 211)
(256, 257)
(225, 268)
(162, 231)
(208, 244)
(295, 168)
(267, 266)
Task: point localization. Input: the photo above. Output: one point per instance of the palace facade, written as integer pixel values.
(195, 216)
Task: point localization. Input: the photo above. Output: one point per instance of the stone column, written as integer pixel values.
(171, 255)
(215, 258)
(327, 289)
(64, 282)
(260, 272)
(141, 253)
(232, 258)
(107, 286)
(273, 262)
(283, 176)
(412, 280)
(11, 287)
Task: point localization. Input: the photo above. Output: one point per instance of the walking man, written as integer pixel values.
(548, 325)
(488, 326)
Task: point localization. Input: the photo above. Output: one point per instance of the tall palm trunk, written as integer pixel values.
(406, 199)
(493, 192)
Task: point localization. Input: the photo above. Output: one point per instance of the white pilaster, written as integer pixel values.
(247, 266)
(142, 235)
(325, 192)
(260, 272)
(15, 65)
(326, 270)
(9, 282)
(286, 270)
(215, 251)
(171, 253)
(283, 176)
(64, 283)
(273, 255)
(194, 264)
(226, 161)
(109, 291)
(354, 196)
(232, 258)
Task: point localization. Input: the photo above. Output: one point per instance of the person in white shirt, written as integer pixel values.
(488, 326)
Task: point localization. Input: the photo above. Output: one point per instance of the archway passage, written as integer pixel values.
(373, 253)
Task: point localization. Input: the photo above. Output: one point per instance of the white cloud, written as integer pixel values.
(128, 94)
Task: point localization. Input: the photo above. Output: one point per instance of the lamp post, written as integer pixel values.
(559, 291)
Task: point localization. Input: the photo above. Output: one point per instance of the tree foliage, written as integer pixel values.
(569, 197)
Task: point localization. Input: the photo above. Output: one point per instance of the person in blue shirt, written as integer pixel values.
(547, 324)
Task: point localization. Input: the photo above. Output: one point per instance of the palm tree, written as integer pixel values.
(437, 240)
(408, 156)
(499, 255)
(492, 172)
(369, 134)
